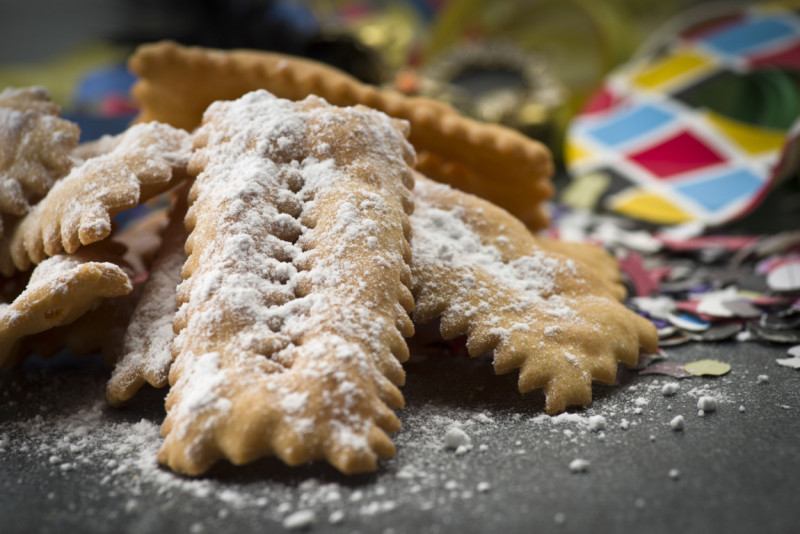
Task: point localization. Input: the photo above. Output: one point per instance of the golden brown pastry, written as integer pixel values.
(177, 83)
(146, 352)
(35, 147)
(146, 160)
(296, 294)
(60, 290)
(483, 275)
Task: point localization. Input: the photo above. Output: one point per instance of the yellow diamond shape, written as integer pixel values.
(673, 69)
(648, 206)
(574, 152)
(752, 139)
(585, 190)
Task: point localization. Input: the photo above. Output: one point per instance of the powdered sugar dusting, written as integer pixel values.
(443, 237)
(278, 277)
(99, 464)
(147, 346)
(35, 146)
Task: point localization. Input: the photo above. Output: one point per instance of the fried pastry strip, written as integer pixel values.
(146, 353)
(35, 147)
(177, 83)
(482, 274)
(60, 290)
(296, 293)
(147, 160)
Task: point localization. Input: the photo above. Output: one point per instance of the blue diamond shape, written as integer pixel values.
(718, 192)
(629, 124)
(751, 35)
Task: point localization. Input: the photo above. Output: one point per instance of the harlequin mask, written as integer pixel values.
(699, 129)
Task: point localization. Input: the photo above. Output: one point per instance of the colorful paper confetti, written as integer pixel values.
(707, 368)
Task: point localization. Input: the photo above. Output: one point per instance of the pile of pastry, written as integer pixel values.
(300, 225)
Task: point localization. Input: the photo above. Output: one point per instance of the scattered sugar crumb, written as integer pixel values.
(707, 403)
(456, 438)
(677, 423)
(597, 423)
(669, 389)
(482, 418)
(299, 520)
(579, 465)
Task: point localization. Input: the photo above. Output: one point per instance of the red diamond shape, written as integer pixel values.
(788, 58)
(681, 153)
(603, 100)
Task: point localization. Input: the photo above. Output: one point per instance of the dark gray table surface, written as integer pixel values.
(72, 464)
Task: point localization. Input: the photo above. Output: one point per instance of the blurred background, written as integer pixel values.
(527, 63)
(539, 66)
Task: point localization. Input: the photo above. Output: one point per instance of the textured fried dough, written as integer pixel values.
(146, 353)
(603, 264)
(527, 203)
(97, 147)
(35, 147)
(296, 293)
(177, 84)
(60, 290)
(100, 329)
(147, 159)
(480, 272)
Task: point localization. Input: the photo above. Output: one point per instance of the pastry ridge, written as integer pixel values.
(177, 83)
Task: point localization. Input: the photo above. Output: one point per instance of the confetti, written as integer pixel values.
(716, 332)
(742, 308)
(678, 338)
(781, 320)
(687, 321)
(786, 276)
(656, 307)
(707, 368)
(775, 335)
(632, 265)
(793, 362)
